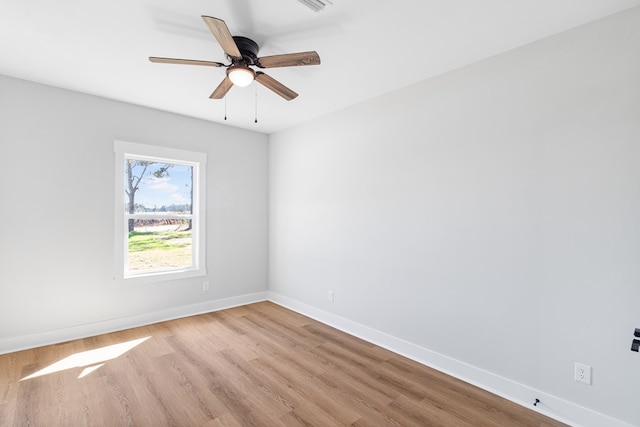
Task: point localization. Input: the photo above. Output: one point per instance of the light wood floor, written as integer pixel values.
(257, 365)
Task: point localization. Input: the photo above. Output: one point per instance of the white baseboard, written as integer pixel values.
(9, 345)
(551, 406)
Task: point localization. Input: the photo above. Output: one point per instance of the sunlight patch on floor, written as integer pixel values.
(86, 371)
(88, 358)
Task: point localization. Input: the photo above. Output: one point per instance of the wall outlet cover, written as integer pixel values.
(582, 373)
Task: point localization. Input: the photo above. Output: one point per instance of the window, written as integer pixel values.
(159, 218)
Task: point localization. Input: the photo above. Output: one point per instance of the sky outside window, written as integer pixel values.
(172, 189)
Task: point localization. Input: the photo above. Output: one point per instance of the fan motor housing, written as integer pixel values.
(248, 49)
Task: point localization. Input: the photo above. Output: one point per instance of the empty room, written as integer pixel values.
(321, 213)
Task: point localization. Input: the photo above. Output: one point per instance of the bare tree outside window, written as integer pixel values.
(136, 171)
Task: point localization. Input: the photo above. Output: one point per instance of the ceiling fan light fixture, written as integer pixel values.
(242, 52)
(240, 75)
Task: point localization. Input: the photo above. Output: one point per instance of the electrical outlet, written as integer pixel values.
(205, 286)
(582, 373)
(330, 296)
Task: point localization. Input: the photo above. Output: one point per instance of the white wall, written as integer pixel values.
(490, 215)
(57, 215)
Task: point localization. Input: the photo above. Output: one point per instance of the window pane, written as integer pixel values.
(157, 187)
(158, 244)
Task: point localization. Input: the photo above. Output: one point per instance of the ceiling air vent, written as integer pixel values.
(316, 5)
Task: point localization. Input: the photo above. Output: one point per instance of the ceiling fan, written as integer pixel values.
(242, 52)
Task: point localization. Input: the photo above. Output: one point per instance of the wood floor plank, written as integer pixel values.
(193, 384)
(255, 365)
(372, 373)
(309, 414)
(424, 413)
(8, 402)
(296, 375)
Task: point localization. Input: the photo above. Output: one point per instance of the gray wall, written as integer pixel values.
(491, 215)
(57, 215)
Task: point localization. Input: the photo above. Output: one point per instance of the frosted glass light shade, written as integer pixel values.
(241, 76)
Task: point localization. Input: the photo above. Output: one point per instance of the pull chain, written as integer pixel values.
(256, 118)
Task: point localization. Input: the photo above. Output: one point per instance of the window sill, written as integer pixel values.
(164, 276)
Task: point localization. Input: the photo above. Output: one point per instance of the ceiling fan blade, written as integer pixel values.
(159, 60)
(221, 33)
(222, 89)
(289, 60)
(276, 86)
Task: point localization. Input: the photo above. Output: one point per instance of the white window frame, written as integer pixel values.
(198, 161)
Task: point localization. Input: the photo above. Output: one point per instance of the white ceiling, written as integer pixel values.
(367, 48)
